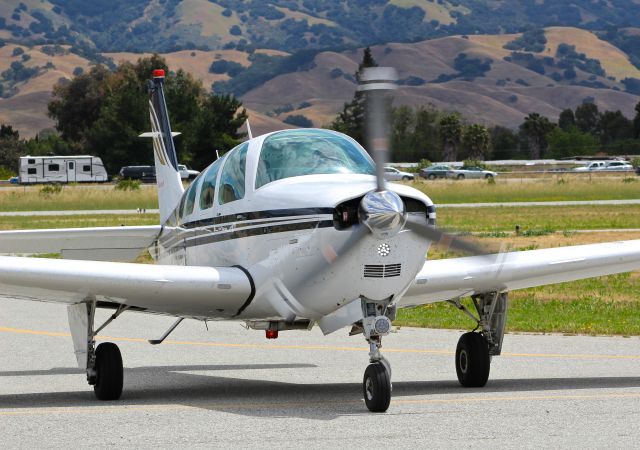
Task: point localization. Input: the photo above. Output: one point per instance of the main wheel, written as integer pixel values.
(376, 386)
(472, 360)
(108, 372)
(460, 177)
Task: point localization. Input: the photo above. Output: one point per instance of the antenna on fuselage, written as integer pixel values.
(249, 129)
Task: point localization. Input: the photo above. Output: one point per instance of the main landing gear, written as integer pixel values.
(475, 349)
(104, 363)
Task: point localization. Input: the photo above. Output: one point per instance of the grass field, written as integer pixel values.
(530, 189)
(447, 191)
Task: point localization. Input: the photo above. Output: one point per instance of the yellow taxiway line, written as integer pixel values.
(317, 347)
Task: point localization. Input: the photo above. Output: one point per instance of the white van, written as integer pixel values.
(62, 169)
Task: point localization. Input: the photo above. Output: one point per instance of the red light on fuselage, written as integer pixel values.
(271, 334)
(158, 73)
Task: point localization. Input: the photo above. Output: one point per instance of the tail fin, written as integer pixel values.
(170, 187)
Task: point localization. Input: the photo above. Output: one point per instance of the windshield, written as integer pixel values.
(310, 152)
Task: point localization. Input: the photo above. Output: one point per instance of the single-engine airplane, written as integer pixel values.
(287, 230)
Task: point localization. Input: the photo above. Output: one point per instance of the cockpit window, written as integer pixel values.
(232, 177)
(208, 192)
(310, 152)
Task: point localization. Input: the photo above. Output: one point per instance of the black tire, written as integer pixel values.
(376, 387)
(487, 176)
(472, 360)
(460, 177)
(431, 176)
(405, 178)
(109, 373)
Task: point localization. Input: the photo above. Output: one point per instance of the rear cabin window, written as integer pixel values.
(54, 167)
(32, 171)
(191, 197)
(208, 191)
(86, 168)
(233, 174)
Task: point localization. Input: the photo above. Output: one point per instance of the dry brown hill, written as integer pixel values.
(505, 95)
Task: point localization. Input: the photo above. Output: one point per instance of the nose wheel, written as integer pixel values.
(472, 360)
(376, 387)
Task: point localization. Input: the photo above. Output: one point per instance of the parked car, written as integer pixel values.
(186, 173)
(393, 174)
(617, 166)
(147, 174)
(14, 180)
(436, 171)
(595, 165)
(638, 170)
(472, 172)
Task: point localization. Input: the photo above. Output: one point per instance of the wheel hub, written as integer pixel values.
(464, 361)
(369, 389)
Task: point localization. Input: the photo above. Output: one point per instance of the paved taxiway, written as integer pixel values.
(229, 387)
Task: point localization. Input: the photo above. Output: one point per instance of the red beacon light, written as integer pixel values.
(158, 73)
(271, 334)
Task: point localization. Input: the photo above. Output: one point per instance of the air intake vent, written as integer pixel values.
(382, 271)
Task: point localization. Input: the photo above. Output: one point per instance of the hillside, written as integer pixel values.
(475, 75)
(171, 25)
(503, 95)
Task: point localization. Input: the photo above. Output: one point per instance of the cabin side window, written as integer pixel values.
(191, 197)
(233, 175)
(208, 191)
(54, 167)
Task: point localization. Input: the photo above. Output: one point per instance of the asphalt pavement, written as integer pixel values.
(228, 387)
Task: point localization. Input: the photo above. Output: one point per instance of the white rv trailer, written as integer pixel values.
(62, 169)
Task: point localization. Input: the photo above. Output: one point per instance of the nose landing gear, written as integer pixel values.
(376, 383)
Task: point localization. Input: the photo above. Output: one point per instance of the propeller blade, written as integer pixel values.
(449, 240)
(377, 83)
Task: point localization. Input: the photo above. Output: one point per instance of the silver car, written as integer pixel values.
(472, 172)
(393, 174)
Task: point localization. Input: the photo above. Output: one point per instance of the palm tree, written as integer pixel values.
(536, 128)
(450, 133)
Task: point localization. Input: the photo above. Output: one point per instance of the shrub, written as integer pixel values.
(299, 121)
(127, 185)
(50, 189)
(17, 51)
(423, 164)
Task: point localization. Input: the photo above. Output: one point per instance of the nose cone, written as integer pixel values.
(383, 212)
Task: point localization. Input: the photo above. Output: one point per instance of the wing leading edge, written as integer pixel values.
(176, 290)
(446, 279)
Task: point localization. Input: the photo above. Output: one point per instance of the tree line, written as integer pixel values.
(102, 113)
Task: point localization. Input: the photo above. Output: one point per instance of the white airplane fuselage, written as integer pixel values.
(285, 235)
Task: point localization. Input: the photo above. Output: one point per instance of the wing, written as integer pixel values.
(446, 279)
(97, 244)
(176, 290)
